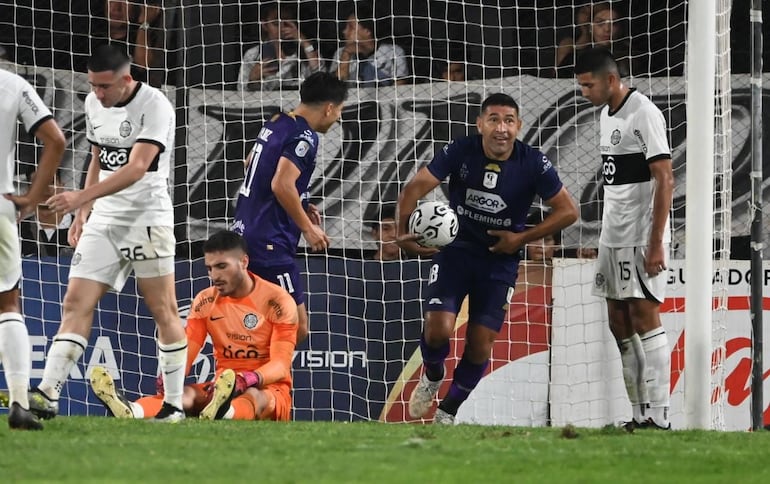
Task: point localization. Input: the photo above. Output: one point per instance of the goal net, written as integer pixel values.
(554, 362)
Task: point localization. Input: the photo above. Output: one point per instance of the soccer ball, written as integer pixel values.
(435, 224)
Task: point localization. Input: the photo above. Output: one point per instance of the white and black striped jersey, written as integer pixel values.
(632, 137)
(146, 117)
(18, 102)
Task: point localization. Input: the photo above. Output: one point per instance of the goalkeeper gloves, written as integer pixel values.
(247, 379)
(159, 390)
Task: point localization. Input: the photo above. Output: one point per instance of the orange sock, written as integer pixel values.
(151, 405)
(245, 407)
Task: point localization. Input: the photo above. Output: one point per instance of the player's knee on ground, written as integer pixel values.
(271, 403)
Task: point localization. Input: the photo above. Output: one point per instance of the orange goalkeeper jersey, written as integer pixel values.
(254, 333)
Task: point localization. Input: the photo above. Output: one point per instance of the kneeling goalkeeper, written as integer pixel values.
(253, 328)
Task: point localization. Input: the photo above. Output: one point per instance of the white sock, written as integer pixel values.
(658, 374)
(15, 356)
(229, 414)
(172, 359)
(633, 360)
(136, 410)
(66, 350)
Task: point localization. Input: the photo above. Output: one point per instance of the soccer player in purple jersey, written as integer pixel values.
(273, 206)
(493, 179)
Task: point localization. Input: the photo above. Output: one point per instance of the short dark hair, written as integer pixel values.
(499, 99)
(321, 87)
(387, 210)
(282, 12)
(225, 240)
(108, 57)
(596, 60)
(364, 15)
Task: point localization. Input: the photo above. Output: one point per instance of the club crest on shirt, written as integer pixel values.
(490, 179)
(599, 280)
(125, 128)
(250, 321)
(615, 137)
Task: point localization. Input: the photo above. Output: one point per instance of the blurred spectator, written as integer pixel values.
(545, 249)
(46, 233)
(284, 57)
(364, 59)
(597, 25)
(384, 232)
(449, 70)
(541, 250)
(138, 25)
(579, 38)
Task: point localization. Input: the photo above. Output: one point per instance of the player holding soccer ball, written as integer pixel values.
(253, 329)
(493, 179)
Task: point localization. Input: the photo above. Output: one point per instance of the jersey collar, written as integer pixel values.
(622, 103)
(131, 97)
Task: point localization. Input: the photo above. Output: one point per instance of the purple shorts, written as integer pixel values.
(286, 275)
(456, 273)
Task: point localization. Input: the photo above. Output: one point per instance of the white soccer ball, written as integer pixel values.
(435, 224)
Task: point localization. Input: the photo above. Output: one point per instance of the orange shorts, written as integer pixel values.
(279, 409)
(278, 406)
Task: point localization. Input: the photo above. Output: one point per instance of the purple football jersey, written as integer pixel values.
(272, 236)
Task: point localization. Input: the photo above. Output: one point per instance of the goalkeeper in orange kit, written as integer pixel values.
(253, 328)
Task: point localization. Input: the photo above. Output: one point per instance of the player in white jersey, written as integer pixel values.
(124, 222)
(20, 102)
(635, 237)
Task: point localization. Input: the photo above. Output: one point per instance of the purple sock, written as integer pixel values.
(467, 376)
(433, 359)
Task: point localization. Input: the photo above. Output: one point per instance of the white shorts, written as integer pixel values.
(108, 253)
(620, 275)
(10, 251)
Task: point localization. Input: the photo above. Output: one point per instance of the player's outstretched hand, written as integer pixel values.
(507, 242)
(24, 205)
(65, 202)
(408, 243)
(316, 238)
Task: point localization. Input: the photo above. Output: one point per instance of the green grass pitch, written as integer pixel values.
(97, 449)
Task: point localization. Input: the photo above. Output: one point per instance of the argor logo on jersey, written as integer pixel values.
(486, 202)
(250, 321)
(113, 158)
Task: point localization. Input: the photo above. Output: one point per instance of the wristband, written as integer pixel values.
(144, 26)
(309, 49)
(247, 379)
